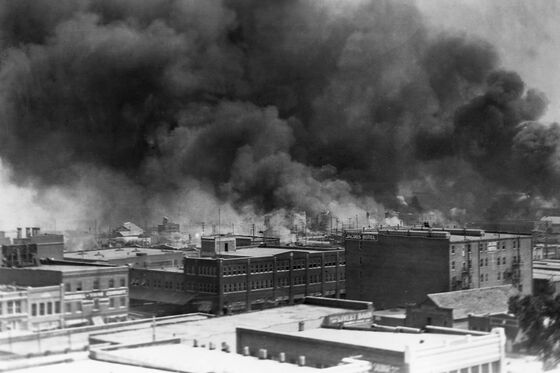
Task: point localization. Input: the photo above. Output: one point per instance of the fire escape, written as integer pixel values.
(514, 272)
(466, 272)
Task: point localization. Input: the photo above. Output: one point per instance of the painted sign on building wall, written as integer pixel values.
(348, 317)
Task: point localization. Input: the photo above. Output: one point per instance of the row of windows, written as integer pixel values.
(12, 307)
(114, 302)
(269, 267)
(158, 283)
(484, 247)
(281, 265)
(96, 285)
(499, 276)
(484, 262)
(202, 286)
(282, 282)
(202, 270)
(45, 308)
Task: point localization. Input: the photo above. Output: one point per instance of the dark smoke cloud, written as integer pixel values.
(260, 106)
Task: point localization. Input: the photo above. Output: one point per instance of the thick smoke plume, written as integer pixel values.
(184, 108)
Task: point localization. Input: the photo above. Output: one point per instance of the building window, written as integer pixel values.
(49, 308)
(123, 301)
(111, 302)
(79, 286)
(96, 284)
(41, 309)
(499, 275)
(17, 305)
(504, 260)
(68, 307)
(481, 262)
(123, 282)
(79, 306)
(452, 250)
(67, 287)
(486, 277)
(481, 278)
(486, 261)
(111, 283)
(34, 309)
(57, 307)
(453, 265)
(96, 304)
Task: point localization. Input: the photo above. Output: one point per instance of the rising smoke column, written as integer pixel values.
(254, 106)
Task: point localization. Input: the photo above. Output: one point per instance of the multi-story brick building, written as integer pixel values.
(92, 294)
(230, 279)
(396, 267)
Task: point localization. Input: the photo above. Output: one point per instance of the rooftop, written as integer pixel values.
(399, 313)
(454, 235)
(380, 340)
(87, 365)
(10, 288)
(118, 253)
(479, 301)
(486, 237)
(269, 251)
(222, 329)
(199, 360)
(68, 268)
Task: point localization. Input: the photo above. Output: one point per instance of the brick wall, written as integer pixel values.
(394, 271)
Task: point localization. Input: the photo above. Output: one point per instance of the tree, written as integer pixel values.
(539, 319)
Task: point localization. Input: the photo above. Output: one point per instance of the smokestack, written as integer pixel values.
(27, 232)
(19, 232)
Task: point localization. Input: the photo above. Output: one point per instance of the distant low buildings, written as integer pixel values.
(395, 267)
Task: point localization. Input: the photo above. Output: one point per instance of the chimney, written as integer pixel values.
(35, 231)
(27, 232)
(19, 232)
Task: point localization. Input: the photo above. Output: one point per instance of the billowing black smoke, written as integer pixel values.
(261, 106)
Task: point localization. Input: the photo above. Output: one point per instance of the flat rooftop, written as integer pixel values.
(222, 329)
(68, 268)
(182, 358)
(11, 288)
(86, 365)
(379, 340)
(488, 236)
(117, 253)
(270, 251)
(399, 313)
(454, 235)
